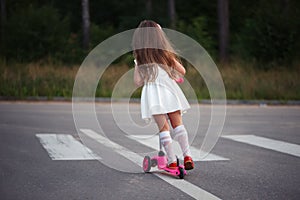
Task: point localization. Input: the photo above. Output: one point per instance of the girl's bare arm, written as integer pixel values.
(179, 68)
(137, 77)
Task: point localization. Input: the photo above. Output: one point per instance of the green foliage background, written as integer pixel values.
(264, 37)
(264, 31)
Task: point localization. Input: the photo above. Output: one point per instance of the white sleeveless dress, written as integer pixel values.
(162, 96)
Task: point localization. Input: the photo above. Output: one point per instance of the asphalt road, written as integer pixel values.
(251, 171)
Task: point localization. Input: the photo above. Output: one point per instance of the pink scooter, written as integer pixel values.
(162, 164)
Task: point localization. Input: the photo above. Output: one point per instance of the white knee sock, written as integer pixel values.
(180, 135)
(166, 141)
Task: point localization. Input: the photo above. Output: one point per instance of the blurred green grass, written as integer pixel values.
(242, 81)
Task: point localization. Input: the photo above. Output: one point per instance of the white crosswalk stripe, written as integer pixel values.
(275, 145)
(65, 147)
(198, 155)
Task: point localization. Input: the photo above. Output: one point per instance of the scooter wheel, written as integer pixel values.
(147, 164)
(181, 173)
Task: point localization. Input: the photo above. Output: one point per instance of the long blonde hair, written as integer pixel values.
(151, 47)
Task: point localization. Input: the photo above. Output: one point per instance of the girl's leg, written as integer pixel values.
(179, 132)
(162, 122)
(175, 118)
(180, 135)
(164, 136)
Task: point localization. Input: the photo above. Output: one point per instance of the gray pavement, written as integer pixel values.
(252, 172)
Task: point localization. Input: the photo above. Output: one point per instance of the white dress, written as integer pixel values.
(162, 96)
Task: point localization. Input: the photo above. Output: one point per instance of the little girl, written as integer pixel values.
(157, 69)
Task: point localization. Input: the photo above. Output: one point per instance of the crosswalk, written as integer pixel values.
(198, 155)
(66, 147)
